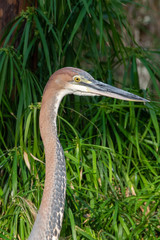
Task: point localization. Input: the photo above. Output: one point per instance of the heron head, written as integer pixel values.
(79, 82)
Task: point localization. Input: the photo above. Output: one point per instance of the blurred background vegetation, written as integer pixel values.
(111, 146)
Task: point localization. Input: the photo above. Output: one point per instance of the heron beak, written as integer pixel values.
(101, 89)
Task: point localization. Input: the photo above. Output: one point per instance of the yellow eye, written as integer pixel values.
(77, 79)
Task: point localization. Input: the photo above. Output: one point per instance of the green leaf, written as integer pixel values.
(3, 75)
(72, 224)
(44, 43)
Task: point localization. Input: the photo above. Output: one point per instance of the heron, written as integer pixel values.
(64, 81)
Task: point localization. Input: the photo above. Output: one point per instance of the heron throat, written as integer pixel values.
(48, 222)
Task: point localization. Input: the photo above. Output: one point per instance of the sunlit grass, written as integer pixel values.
(112, 174)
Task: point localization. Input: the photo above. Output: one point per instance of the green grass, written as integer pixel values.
(111, 146)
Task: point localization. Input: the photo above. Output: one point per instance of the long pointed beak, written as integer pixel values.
(102, 89)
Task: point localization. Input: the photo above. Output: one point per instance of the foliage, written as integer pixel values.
(111, 146)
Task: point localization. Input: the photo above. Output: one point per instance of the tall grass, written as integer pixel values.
(111, 146)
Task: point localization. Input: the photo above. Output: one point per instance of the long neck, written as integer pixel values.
(50, 215)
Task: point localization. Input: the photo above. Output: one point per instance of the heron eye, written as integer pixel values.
(77, 79)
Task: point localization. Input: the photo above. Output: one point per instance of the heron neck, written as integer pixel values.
(50, 215)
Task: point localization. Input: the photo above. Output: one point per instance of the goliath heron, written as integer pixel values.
(65, 81)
